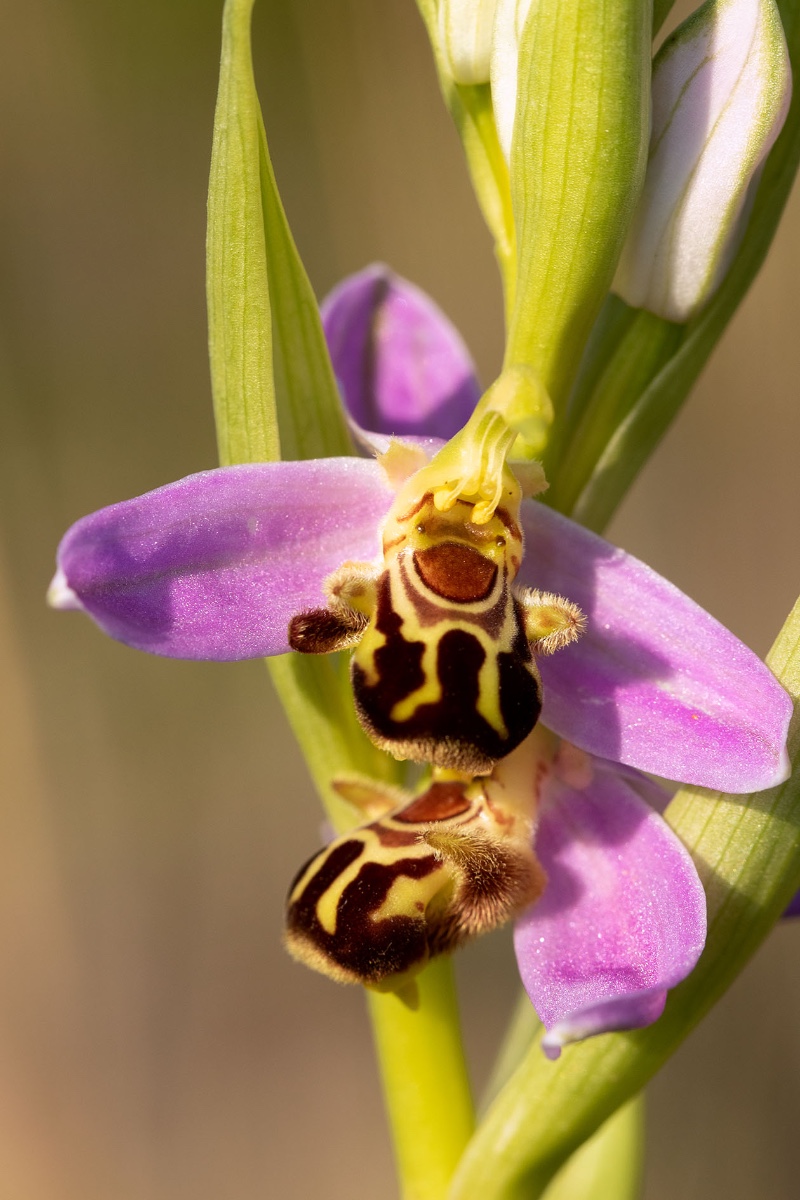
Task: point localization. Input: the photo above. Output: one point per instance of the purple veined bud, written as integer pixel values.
(509, 22)
(465, 33)
(721, 90)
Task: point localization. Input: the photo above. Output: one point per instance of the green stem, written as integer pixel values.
(315, 694)
(522, 1029)
(606, 1167)
(471, 110)
(609, 1165)
(425, 1081)
(646, 345)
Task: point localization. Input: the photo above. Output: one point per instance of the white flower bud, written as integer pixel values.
(465, 32)
(721, 89)
(509, 23)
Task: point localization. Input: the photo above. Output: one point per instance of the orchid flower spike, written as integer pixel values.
(721, 90)
(465, 35)
(448, 581)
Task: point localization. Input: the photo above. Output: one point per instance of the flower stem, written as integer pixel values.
(646, 345)
(606, 1167)
(522, 1029)
(425, 1082)
(470, 107)
(609, 1165)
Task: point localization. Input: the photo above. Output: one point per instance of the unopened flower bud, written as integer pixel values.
(509, 23)
(721, 89)
(465, 30)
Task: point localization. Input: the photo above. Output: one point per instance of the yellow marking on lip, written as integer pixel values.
(430, 692)
(488, 703)
(374, 851)
(366, 650)
(409, 897)
(328, 903)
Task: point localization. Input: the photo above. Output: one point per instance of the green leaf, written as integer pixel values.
(577, 164)
(616, 369)
(310, 413)
(271, 371)
(270, 366)
(747, 852)
(237, 287)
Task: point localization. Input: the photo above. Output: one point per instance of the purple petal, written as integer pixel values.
(378, 443)
(402, 366)
(654, 794)
(622, 919)
(793, 907)
(214, 566)
(655, 681)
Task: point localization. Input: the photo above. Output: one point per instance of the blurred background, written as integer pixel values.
(155, 1041)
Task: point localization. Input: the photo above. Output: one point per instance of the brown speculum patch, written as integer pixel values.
(442, 801)
(456, 572)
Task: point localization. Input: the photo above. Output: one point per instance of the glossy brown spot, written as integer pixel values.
(439, 803)
(456, 572)
(430, 611)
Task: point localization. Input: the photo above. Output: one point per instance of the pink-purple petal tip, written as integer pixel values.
(623, 916)
(655, 681)
(402, 366)
(634, 1011)
(215, 565)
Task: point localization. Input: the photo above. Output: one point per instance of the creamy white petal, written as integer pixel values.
(465, 30)
(509, 23)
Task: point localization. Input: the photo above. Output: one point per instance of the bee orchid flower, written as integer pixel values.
(218, 565)
(610, 912)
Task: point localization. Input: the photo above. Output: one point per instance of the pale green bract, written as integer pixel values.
(273, 384)
(576, 170)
